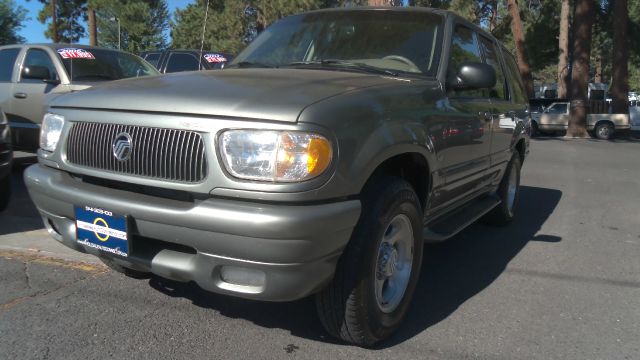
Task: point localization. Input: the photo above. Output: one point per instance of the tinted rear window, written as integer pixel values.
(182, 62)
(153, 59)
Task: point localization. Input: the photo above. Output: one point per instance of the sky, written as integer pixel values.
(33, 30)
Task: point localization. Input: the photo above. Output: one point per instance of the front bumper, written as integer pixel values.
(285, 252)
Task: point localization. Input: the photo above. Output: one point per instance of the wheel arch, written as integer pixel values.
(412, 166)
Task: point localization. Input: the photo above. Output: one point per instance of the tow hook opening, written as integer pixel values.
(52, 229)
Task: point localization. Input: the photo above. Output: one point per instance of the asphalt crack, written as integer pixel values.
(26, 258)
(26, 275)
(22, 299)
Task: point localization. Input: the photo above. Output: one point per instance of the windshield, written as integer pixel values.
(103, 64)
(399, 41)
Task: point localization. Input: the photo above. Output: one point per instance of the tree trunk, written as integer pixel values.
(54, 21)
(583, 23)
(563, 58)
(91, 23)
(620, 79)
(518, 38)
(597, 76)
(493, 23)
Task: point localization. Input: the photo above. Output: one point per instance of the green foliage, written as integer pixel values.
(11, 19)
(142, 23)
(634, 48)
(69, 14)
(226, 22)
(541, 29)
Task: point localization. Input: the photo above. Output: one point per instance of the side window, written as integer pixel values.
(37, 57)
(153, 58)
(182, 62)
(7, 62)
(558, 109)
(492, 58)
(464, 48)
(518, 93)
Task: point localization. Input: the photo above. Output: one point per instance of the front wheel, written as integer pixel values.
(377, 274)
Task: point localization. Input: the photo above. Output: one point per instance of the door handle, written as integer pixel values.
(20, 95)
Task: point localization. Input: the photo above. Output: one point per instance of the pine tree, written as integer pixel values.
(620, 86)
(11, 19)
(69, 15)
(142, 23)
(582, 32)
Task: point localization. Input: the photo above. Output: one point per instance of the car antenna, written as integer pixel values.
(204, 27)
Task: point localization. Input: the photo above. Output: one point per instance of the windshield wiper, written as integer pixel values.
(248, 64)
(93, 76)
(347, 64)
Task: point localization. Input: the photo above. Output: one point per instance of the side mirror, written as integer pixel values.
(36, 72)
(474, 75)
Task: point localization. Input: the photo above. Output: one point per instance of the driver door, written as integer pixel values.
(28, 94)
(28, 100)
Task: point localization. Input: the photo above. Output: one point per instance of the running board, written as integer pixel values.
(451, 224)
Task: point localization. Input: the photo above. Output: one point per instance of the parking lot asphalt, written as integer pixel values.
(561, 282)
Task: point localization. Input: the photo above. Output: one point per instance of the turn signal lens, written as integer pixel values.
(279, 156)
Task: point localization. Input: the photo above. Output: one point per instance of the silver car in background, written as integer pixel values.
(33, 74)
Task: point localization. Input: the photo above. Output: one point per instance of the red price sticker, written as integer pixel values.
(71, 53)
(215, 58)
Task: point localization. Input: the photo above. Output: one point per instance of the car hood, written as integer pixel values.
(269, 94)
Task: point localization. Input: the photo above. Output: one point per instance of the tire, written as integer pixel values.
(508, 192)
(134, 274)
(5, 192)
(535, 132)
(359, 306)
(604, 131)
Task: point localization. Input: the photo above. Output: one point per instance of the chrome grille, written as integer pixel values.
(175, 155)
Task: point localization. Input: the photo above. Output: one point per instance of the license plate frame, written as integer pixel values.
(103, 230)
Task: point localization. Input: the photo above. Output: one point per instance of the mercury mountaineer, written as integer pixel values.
(317, 163)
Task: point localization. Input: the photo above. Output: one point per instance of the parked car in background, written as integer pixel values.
(634, 114)
(536, 109)
(6, 157)
(601, 126)
(33, 74)
(170, 61)
(317, 163)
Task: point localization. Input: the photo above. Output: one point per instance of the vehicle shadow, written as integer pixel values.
(21, 214)
(622, 138)
(452, 273)
(456, 270)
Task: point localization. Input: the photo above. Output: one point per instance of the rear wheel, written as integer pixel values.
(508, 192)
(5, 191)
(377, 274)
(604, 131)
(535, 132)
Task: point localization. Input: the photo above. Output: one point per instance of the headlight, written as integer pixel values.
(50, 131)
(279, 156)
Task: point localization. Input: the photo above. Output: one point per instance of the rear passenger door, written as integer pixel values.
(503, 111)
(28, 101)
